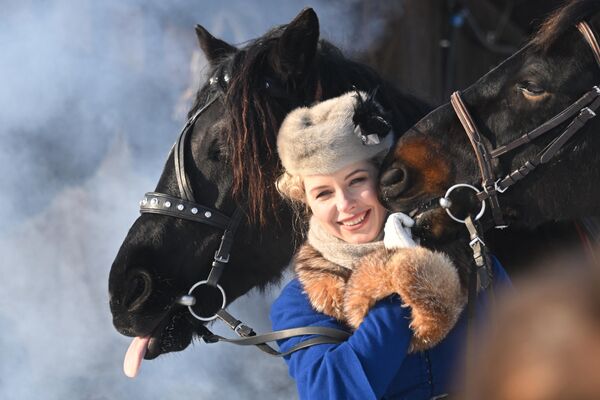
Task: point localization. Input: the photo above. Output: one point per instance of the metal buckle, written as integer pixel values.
(498, 188)
(243, 330)
(477, 245)
(221, 259)
(587, 110)
(477, 239)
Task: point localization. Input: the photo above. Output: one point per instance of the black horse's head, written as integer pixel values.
(231, 161)
(549, 74)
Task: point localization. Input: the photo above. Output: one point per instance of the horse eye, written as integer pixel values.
(215, 151)
(530, 88)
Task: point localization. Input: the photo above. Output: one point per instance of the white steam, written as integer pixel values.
(87, 102)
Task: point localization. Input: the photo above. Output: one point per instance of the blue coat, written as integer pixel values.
(374, 362)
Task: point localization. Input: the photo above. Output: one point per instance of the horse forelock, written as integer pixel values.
(252, 133)
(563, 19)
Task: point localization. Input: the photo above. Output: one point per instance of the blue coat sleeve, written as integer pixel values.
(361, 367)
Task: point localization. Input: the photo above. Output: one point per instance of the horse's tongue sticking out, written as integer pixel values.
(134, 356)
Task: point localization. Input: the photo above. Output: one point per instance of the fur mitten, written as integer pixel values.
(426, 281)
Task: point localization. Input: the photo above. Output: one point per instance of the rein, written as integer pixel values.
(185, 207)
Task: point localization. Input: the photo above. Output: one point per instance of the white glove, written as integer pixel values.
(396, 233)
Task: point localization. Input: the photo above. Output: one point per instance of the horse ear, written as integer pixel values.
(298, 44)
(214, 49)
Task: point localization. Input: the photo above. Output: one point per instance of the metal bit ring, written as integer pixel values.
(445, 202)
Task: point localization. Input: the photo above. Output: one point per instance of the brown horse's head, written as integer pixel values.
(550, 73)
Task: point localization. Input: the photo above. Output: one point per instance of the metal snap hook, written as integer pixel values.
(446, 203)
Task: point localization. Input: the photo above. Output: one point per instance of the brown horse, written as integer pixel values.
(532, 127)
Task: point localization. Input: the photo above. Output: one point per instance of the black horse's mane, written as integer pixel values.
(255, 115)
(563, 19)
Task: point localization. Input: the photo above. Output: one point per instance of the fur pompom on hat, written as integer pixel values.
(333, 134)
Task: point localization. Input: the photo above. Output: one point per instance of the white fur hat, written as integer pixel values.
(324, 138)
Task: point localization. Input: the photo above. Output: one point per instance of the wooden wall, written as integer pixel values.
(433, 47)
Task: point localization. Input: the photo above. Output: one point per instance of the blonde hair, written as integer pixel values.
(291, 187)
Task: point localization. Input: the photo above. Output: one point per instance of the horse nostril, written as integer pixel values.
(394, 181)
(392, 176)
(138, 290)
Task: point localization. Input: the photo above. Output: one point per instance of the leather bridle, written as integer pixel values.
(185, 207)
(492, 185)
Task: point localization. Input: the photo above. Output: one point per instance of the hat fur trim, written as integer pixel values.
(323, 138)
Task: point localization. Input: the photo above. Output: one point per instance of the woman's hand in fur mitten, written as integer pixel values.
(426, 281)
(396, 233)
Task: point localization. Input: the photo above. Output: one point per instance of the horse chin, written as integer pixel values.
(434, 225)
(173, 334)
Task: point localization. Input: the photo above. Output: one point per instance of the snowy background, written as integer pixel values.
(92, 95)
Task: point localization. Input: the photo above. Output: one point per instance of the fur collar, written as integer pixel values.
(335, 249)
(426, 281)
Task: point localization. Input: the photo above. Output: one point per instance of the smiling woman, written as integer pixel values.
(402, 303)
(345, 202)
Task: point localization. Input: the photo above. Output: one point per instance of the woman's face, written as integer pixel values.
(345, 202)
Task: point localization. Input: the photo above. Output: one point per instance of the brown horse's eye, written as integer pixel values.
(531, 89)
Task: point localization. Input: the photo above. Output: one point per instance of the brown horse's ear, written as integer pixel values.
(298, 44)
(214, 49)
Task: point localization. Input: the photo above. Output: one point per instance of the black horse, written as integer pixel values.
(545, 77)
(232, 163)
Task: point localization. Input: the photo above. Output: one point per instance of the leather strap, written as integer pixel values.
(584, 116)
(222, 254)
(161, 203)
(185, 189)
(325, 336)
(552, 123)
(544, 156)
(483, 157)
